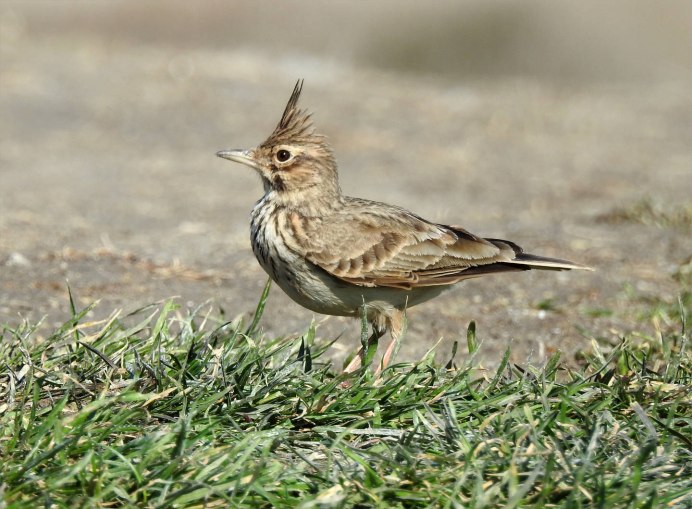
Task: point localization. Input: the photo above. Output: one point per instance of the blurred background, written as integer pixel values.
(559, 41)
(566, 127)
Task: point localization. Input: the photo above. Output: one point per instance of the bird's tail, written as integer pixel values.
(526, 261)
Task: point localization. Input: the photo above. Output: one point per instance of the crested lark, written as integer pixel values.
(344, 256)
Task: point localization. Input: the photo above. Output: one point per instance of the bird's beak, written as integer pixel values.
(246, 157)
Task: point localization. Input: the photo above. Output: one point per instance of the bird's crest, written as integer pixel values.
(295, 125)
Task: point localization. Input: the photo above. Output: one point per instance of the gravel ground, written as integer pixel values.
(109, 179)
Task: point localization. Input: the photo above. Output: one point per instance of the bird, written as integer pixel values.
(339, 255)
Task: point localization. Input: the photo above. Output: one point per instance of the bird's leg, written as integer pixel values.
(392, 348)
(397, 327)
(360, 357)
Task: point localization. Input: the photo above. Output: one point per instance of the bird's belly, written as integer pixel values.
(303, 282)
(306, 286)
(316, 290)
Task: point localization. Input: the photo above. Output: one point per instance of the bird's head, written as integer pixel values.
(294, 160)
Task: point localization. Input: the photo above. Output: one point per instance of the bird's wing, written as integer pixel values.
(388, 246)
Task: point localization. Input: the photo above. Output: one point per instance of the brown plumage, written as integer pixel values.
(339, 255)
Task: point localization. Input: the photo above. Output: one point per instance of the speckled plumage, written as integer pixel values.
(334, 254)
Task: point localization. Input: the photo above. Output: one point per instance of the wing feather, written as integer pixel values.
(383, 245)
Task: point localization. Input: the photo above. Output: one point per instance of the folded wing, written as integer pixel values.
(388, 246)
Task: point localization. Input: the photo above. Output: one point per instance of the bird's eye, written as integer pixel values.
(283, 155)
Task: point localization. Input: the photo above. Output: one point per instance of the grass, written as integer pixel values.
(166, 408)
(647, 211)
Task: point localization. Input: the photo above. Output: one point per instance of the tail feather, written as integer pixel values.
(530, 261)
(545, 263)
(522, 261)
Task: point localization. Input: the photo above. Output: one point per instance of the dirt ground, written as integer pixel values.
(110, 116)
